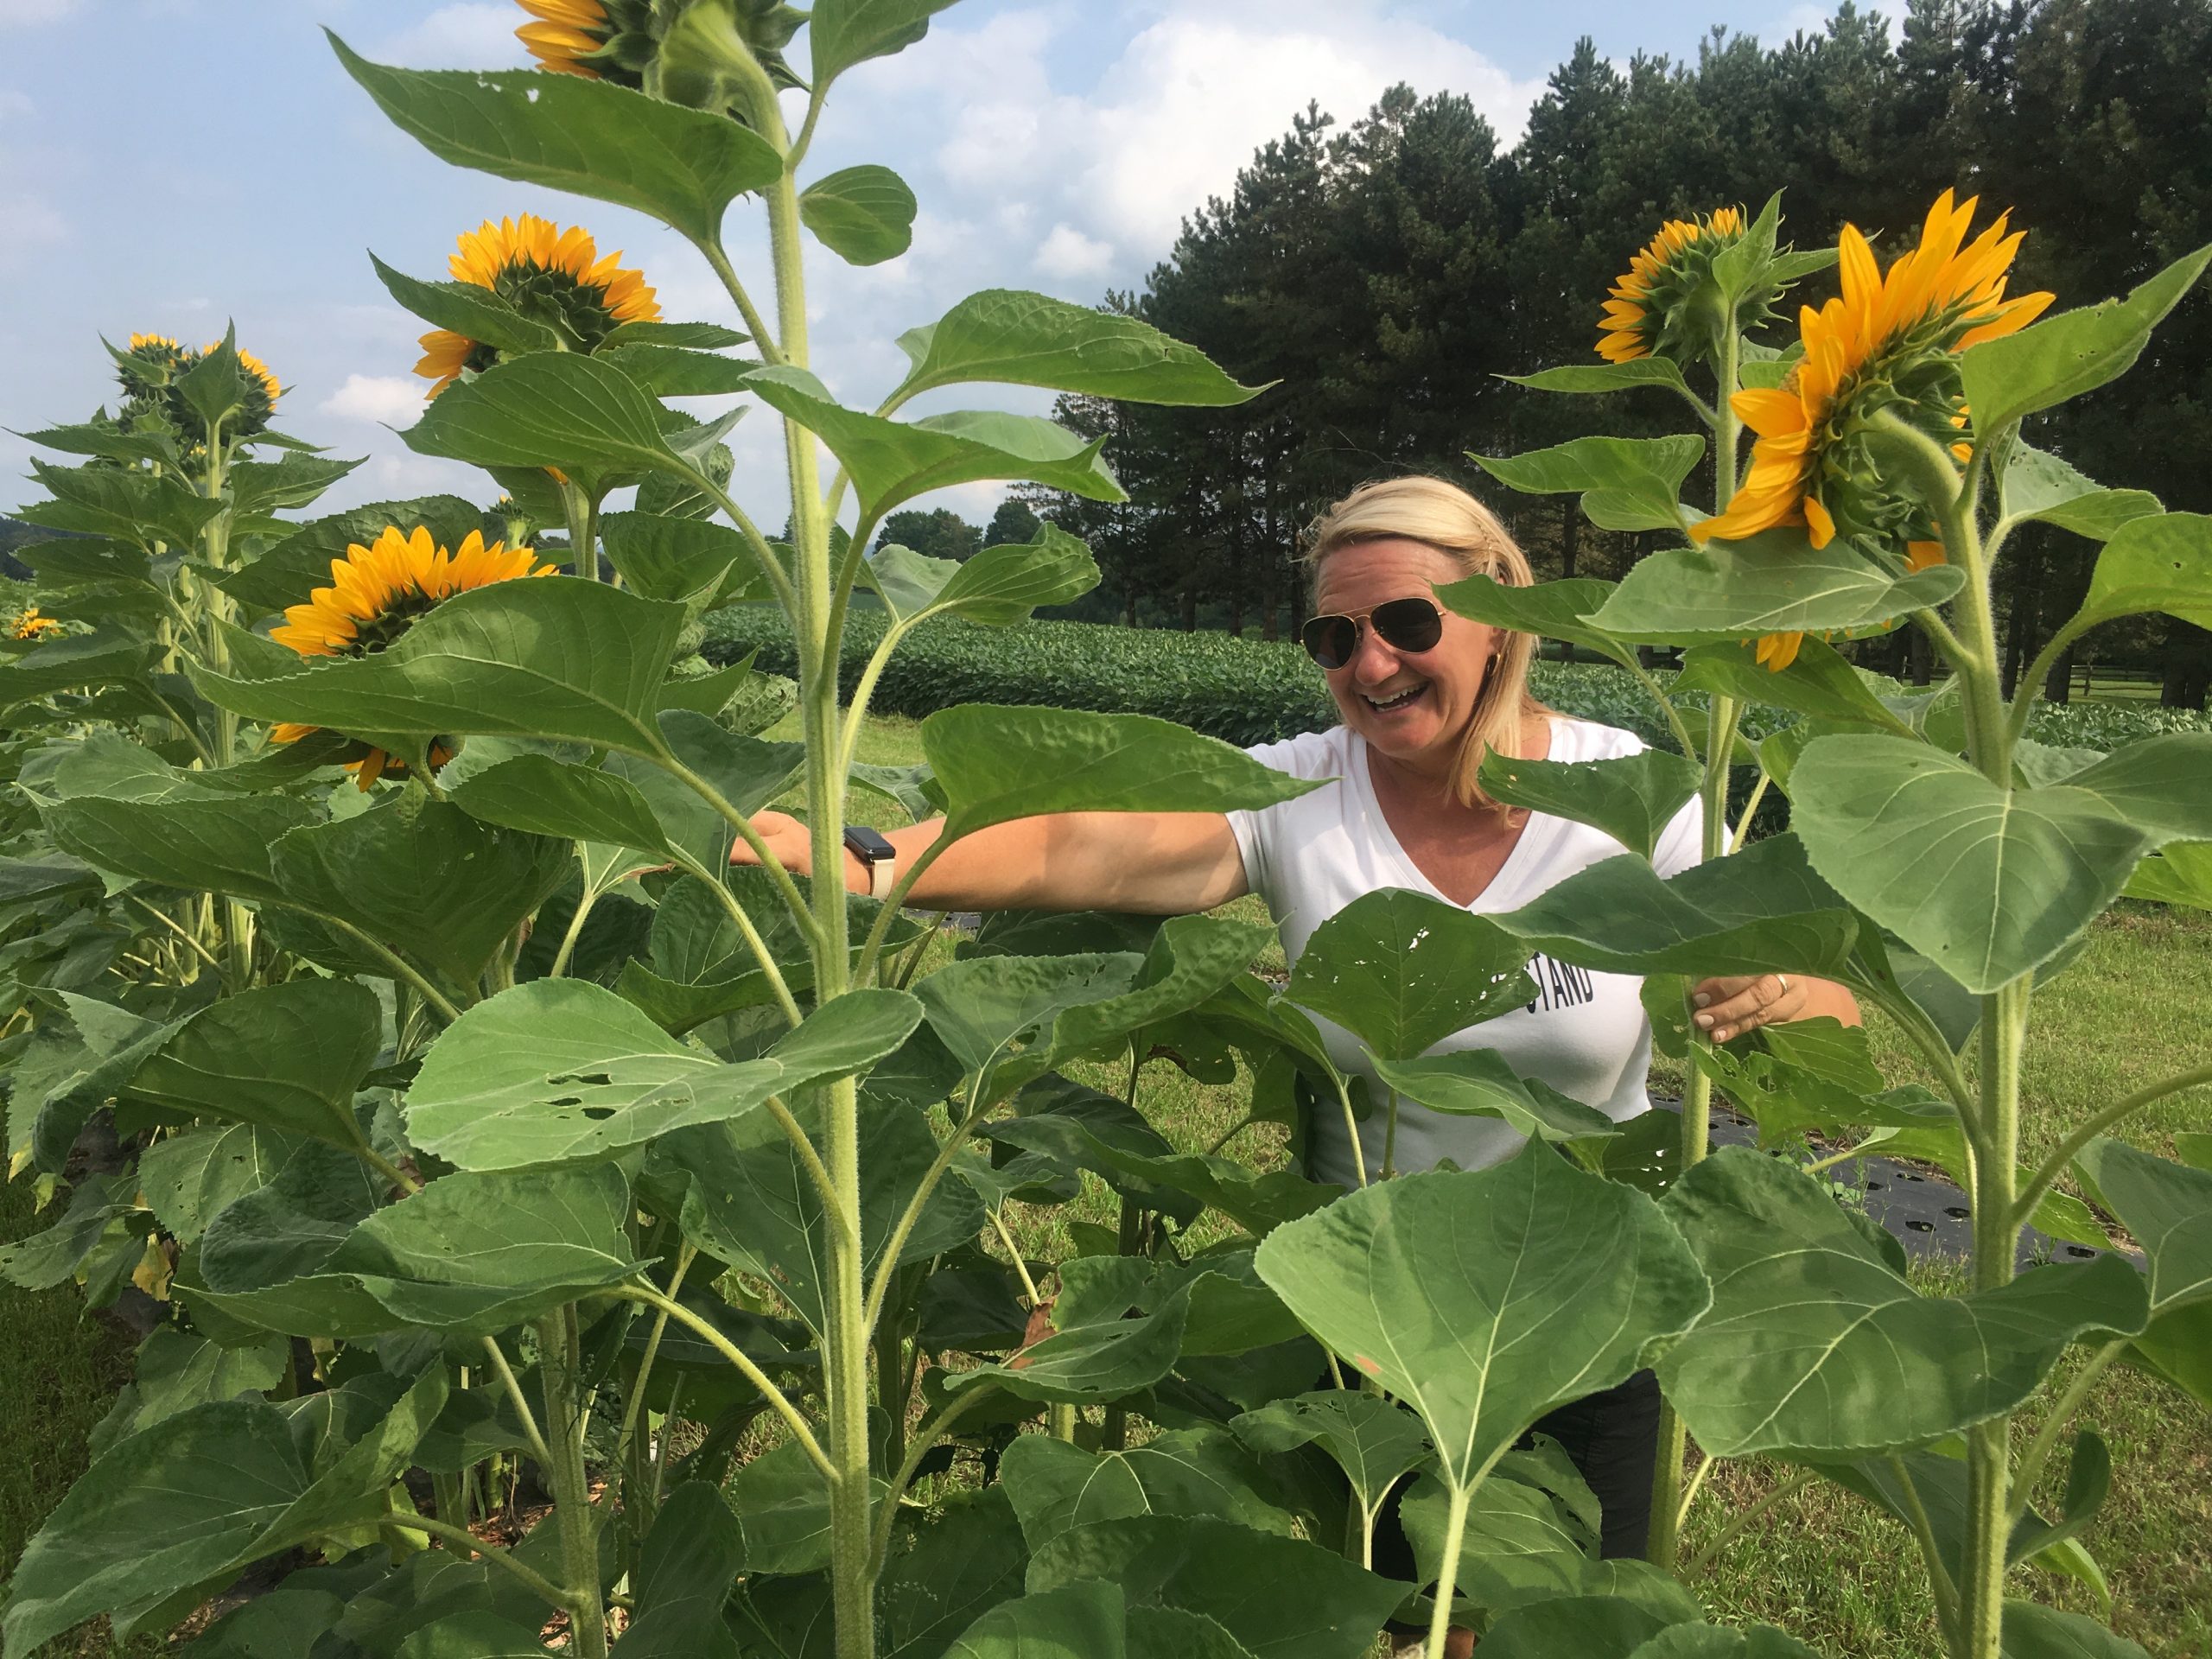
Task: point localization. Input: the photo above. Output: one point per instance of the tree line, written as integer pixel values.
(1386, 273)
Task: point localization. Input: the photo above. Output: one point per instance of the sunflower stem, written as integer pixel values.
(1727, 427)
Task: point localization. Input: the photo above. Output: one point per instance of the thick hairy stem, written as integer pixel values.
(572, 1511)
(575, 931)
(531, 1435)
(1447, 1572)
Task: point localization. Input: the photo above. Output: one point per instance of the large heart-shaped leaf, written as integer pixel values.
(999, 764)
(194, 1500)
(1774, 583)
(847, 32)
(1032, 340)
(1625, 483)
(1195, 1471)
(1818, 682)
(2154, 563)
(147, 509)
(2064, 356)
(1817, 1343)
(545, 796)
(683, 166)
(2038, 487)
(284, 1057)
(1484, 1299)
(2161, 785)
(892, 461)
(2168, 1207)
(1377, 1442)
(1083, 1620)
(1557, 610)
(2033, 1631)
(999, 585)
(1987, 883)
(434, 882)
(1401, 971)
(551, 409)
(217, 843)
(1477, 1083)
(1762, 911)
(1280, 1598)
(782, 1510)
(685, 1568)
(190, 1179)
(557, 657)
(1632, 799)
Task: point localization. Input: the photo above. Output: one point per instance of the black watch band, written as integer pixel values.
(877, 855)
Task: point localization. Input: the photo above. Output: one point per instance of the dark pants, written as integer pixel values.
(1613, 1439)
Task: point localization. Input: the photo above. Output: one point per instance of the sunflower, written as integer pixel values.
(571, 37)
(380, 591)
(30, 624)
(552, 276)
(1646, 315)
(157, 342)
(1887, 343)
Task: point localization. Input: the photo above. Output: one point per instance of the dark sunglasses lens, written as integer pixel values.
(1409, 624)
(1329, 640)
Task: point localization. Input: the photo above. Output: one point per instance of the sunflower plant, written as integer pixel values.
(535, 1142)
(1939, 863)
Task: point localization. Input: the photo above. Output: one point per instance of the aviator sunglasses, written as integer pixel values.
(1410, 624)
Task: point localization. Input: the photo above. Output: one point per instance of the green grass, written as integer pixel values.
(2126, 1011)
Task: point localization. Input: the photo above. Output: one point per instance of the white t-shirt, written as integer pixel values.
(1586, 1034)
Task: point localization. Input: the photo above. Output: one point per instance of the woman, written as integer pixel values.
(1423, 695)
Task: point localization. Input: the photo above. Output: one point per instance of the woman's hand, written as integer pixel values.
(1734, 1004)
(791, 840)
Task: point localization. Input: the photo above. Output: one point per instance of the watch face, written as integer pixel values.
(867, 843)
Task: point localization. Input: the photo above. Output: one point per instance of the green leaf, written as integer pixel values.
(892, 461)
(544, 797)
(683, 167)
(1477, 1083)
(193, 1501)
(77, 1056)
(479, 1633)
(468, 309)
(864, 215)
(995, 764)
(1401, 971)
(291, 571)
(1084, 1620)
(1817, 1343)
(284, 1057)
(99, 658)
(748, 1200)
(782, 1504)
(1818, 683)
(1030, 339)
(47, 1260)
(1774, 583)
(215, 845)
(432, 882)
(1519, 1546)
(1555, 609)
(747, 773)
(672, 371)
(1762, 910)
(559, 1070)
(1000, 585)
(673, 559)
(1374, 1442)
(2039, 486)
(2168, 1208)
(475, 1252)
(108, 442)
(2161, 785)
(141, 508)
(2063, 356)
(2157, 562)
(190, 1179)
(2182, 875)
(1625, 483)
(847, 32)
(552, 409)
(1281, 1598)
(174, 1370)
(1632, 799)
(293, 481)
(691, 336)
(1590, 1627)
(1105, 1357)
(1986, 883)
(1484, 1300)
(2037, 1632)
(1056, 1486)
(557, 658)
(1594, 377)
(685, 1570)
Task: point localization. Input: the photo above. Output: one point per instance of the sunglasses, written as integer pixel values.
(1410, 624)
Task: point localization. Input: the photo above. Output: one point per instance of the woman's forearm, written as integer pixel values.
(1161, 863)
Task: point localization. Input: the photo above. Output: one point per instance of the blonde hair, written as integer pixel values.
(1443, 516)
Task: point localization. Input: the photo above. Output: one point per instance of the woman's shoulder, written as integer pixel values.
(1575, 738)
(1309, 754)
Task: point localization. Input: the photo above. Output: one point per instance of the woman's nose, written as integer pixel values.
(1373, 661)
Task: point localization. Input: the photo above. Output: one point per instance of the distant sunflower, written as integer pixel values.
(1643, 317)
(380, 591)
(1889, 343)
(552, 276)
(30, 624)
(156, 342)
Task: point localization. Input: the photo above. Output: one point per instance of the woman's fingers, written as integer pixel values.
(783, 835)
(1733, 1004)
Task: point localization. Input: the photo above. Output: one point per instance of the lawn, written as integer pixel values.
(2129, 1009)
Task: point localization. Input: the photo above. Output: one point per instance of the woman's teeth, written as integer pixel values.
(1398, 701)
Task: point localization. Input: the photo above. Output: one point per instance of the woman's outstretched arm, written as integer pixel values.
(1156, 863)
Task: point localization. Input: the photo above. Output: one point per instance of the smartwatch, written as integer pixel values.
(878, 855)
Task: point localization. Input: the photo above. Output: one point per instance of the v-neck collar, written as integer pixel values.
(1535, 833)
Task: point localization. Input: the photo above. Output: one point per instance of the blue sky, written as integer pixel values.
(165, 164)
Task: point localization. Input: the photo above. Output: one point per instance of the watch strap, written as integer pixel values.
(877, 855)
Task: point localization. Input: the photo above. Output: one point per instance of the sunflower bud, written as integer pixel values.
(725, 54)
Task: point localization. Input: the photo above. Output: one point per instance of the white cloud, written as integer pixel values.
(17, 14)
(470, 35)
(27, 223)
(1069, 254)
(387, 399)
